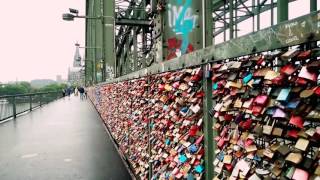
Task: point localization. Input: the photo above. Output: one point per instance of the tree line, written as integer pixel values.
(25, 87)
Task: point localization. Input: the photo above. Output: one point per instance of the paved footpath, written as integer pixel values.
(62, 140)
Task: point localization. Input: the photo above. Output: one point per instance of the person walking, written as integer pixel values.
(85, 93)
(63, 93)
(69, 91)
(81, 91)
(76, 91)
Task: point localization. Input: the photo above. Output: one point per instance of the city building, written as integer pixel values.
(59, 79)
(77, 58)
(76, 76)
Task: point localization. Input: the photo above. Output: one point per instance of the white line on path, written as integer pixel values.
(29, 156)
(67, 160)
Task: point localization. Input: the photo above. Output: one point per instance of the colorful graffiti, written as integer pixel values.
(174, 48)
(182, 21)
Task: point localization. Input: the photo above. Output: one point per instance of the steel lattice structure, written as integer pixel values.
(144, 31)
(147, 37)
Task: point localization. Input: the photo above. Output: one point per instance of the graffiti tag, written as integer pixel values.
(182, 21)
(109, 72)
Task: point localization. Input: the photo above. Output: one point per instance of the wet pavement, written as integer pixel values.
(62, 140)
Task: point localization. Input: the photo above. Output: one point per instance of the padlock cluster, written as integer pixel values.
(177, 135)
(267, 115)
(157, 123)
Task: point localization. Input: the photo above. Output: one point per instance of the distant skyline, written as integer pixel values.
(35, 43)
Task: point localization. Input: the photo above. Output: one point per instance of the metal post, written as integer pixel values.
(258, 15)
(235, 22)
(92, 44)
(272, 12)
(95, 58)
(30, 101)
(40, 99)
(98, 40)
(207, 121)
(282, 15)
(103, 42)
(224, 22)
(14, 107)
(282, 10)
(121, 65)
(126, 66)
(150, 122)
(144, 34)
(135, 57)
(109, 38)
(86, 52)
(207, 23)
(253, 18)
(85, 73)
(88, 77)
(89, 38)
(127, 62)
(213, 29)
(131, 102)
(313, 5)
(207, 35)
(231, 18)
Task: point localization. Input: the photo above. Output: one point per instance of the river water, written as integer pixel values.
(6, 109)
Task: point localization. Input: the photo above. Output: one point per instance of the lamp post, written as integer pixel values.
(101, 62)
(75, 14)
(87, 47)
(85, 66)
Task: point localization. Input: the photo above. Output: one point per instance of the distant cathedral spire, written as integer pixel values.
(77, 57)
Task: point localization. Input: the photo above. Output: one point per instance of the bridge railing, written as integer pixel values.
(13, 105)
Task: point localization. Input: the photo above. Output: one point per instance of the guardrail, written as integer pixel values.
(13, 105)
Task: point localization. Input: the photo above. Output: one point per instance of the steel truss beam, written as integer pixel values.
(131, 18)
(133, 22)
(240, 18)
(275, 37)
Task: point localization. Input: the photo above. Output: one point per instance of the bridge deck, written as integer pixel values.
(62, 140)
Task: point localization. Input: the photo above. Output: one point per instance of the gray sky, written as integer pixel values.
(34, 40)
(36, 43)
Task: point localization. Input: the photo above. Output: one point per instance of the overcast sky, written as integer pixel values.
(34, 40)
(36, 43)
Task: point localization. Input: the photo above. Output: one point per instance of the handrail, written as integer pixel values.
(9, 110)
(28, 94)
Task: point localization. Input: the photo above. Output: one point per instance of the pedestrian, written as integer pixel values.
(63, 93)
(85, 93)
(69, 91)
(76, 91)
(81, 91)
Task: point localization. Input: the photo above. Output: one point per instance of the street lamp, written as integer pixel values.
(100, 61)
(73, 13)
(86, 47)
